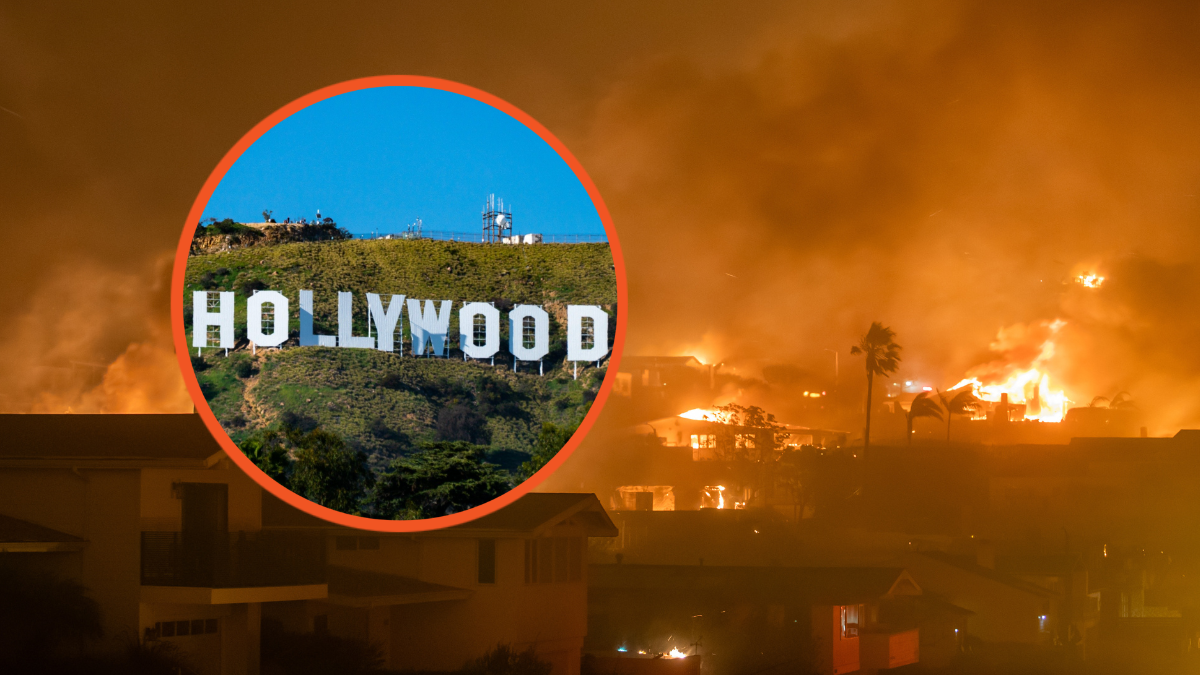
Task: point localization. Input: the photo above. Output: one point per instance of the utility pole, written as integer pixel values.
(835, 368)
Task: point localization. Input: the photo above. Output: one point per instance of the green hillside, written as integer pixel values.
(387, 404)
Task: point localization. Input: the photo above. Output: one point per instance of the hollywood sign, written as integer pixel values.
(429, 325)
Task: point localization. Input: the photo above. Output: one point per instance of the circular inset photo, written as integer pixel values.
(396, 302)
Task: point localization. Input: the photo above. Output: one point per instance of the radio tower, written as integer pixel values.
(497, 222)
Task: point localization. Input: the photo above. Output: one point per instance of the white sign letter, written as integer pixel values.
(385, 322)
(202, 319)
(467, 330)
(346, 324)
(307, 339)
(428, 326)
(587, 333)
(254, 318)
(517, 319)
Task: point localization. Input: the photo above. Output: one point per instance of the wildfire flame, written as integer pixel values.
(1090, 280)
(702, 415)
(1028, 385)
(676, 654)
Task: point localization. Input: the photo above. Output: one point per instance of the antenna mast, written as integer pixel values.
(497, 222)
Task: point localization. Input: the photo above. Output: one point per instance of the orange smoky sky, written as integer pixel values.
(780, 174)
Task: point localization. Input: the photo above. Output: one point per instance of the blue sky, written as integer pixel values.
(376, 159)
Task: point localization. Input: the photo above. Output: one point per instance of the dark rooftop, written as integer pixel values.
(22, 535)
(105, 437)
(364, 588)
(526, 516)
(833, 585)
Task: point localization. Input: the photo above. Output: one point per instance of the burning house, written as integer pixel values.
(830, 619)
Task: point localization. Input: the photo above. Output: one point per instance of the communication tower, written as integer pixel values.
(497, 222)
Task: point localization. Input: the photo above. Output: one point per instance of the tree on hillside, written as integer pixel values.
(922, 406)
(960, 404)
(269, 450)
(441, 478)
(882, 356)
(329, 473)
(551, 439)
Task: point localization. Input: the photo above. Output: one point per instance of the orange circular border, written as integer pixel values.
(183, 355)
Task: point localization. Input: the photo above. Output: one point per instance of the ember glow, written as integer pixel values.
(1026, 384)
(1090, 280)
(713, 497)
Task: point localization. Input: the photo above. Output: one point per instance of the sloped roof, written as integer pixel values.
(828, 585)
(362, 588)
(135, 439)
(23, 536)
(657, 361)
(967, 564)
(531, 515)
(536, 512)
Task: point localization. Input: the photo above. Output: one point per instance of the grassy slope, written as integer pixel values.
(342, 390)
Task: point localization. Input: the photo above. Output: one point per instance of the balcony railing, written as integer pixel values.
(232, 560)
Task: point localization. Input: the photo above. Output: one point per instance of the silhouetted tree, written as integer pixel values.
(43, 616)
(504, 660)
(882, 356)
(960, 404)
(921, 406)
(287, 653)
(752, 442)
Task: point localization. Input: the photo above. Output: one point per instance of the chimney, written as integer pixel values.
(985, 554)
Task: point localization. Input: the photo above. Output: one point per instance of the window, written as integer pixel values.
(479, 322)
(528, 332)
(321, 624)
(587, 334)
(851, 615)
(487, 561)
(554, 560)
(368, 543)
(186, 628)
(346, 543)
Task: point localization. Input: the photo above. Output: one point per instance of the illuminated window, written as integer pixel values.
(480, 324)
(851, 615)
(587, 335)
(528, 332)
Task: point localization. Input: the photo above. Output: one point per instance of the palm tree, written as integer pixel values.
(921, 406)
(882, 354)
(962, 403)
